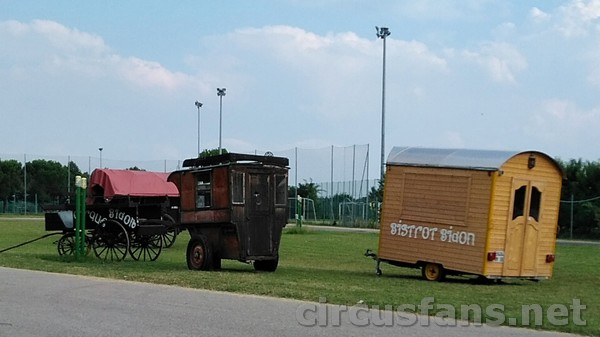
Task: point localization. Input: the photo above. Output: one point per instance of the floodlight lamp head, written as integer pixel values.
(221, 91)
(198, 104)
(383, 32)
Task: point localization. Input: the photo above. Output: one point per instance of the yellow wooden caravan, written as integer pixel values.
(457, 211)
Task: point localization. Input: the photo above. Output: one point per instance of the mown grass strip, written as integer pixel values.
(321, 264)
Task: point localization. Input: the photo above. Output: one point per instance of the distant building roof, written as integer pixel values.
(486, 160)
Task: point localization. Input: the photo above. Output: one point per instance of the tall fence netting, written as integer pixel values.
(340, 175)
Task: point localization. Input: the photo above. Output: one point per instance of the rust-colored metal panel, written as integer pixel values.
(220, 187)
(210, 216)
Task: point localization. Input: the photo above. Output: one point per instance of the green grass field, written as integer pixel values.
(318, 264)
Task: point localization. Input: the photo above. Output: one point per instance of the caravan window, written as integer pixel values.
(237, 187)
(280, 189)
(203, 190)
(519, 202)
(536, 198)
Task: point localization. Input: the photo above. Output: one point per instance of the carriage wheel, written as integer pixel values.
(145, 247)
(433, 272)
(172, 231)
(110, 242)
(199, 253)
(66, 244)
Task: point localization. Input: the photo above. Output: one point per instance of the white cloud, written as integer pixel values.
(502, 61)
(579, 18)
(538, 15)
(560, 120)
(151, 74)
(56, 49)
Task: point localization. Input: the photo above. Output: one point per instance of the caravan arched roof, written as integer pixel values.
(486, 160)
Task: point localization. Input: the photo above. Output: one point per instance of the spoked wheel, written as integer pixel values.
(145, 247)
(66, 244)
(172, 231)
(433, 272)
(110, 242)
(199, 253)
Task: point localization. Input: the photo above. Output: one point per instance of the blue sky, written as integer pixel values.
(124, 75)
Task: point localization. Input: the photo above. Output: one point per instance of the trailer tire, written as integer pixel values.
(199, 253)
(266, 265)
(433, 272)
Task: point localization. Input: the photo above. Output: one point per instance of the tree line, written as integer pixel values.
(49, 182)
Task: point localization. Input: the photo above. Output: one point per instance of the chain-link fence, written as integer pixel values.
(340, 176)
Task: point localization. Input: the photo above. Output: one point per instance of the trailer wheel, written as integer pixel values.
(199, 253)
(433, 272)
(266, 265)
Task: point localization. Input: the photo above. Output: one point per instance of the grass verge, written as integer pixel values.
(319, 264)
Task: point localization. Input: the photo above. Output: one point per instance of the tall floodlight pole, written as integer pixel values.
(100, 149)
(382, 33)
(198, 105)
(220, 93)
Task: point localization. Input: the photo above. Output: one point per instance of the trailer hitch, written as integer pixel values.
(371, 254)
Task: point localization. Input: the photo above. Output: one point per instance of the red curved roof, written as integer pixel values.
(133, 183)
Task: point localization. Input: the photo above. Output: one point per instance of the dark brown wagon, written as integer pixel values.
(235, 207)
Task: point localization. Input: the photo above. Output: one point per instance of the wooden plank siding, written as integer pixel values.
(422, 204)
(546, 175)
(439, 201)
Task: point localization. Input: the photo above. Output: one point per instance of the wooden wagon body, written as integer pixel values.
(488, 213)
(235, 207)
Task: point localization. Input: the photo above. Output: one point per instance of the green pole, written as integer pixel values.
(299, 212)
(83, 216)
(77, 216)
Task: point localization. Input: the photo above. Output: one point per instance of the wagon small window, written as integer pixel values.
(237, 188)
(536, 198)
(203, 190)
(280, 189)
(519, 203)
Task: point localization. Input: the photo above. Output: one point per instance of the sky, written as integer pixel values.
(124, 75)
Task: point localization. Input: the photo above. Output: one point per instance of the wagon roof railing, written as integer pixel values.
(230, 158)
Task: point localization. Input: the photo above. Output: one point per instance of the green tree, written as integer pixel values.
(11, 180)
(583, 186)
(212, 152)
(309, 190)
(47, 179)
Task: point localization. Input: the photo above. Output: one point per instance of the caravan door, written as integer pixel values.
(523, 228)
(260, 213)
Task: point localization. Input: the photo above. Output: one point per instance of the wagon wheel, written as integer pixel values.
(433, 272)
(66, 244)
(199, 253)
(110, 241)
(266, 265)
(172, 231)
(145, 247)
